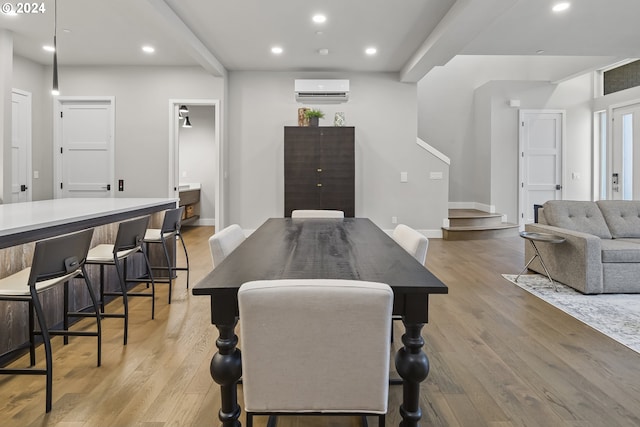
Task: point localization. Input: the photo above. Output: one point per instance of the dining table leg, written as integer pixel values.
(226, 370)
(412, 365)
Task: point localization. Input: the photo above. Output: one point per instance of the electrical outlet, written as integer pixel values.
(394, 220)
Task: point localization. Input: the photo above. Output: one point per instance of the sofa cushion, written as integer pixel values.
(615, 250)
(576, 216)
(622, 217)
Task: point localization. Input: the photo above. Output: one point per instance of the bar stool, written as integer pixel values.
(170, 230)
(55, 261)
(128, 242)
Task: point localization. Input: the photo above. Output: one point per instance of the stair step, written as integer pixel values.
(479, 233)
(475, 221)
(471, 224)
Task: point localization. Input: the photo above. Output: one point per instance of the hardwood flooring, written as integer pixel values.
(499, 357)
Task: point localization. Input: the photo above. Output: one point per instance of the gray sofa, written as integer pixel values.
(601, 253)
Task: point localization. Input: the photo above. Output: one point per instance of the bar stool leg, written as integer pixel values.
(186, 256)
(44, 330)
(125, 300)
(32, 337)
(153, 284)
(65, 303)
(94, 301)
(169, 268)
(102, 288)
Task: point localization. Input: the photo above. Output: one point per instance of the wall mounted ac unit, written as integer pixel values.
(331, 91)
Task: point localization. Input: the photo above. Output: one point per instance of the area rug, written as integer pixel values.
(615, 315)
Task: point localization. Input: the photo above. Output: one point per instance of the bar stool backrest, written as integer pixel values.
(172, 220)
(59, 256)
(130, 234)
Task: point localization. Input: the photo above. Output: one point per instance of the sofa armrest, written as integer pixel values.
(577, 262)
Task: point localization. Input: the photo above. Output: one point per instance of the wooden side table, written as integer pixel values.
(540, 237)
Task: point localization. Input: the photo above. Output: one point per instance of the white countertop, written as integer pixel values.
(29, 216)
(186, 186)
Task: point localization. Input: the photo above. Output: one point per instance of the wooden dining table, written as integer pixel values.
(349, 248)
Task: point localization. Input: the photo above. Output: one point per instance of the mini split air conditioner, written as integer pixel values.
(321, 91)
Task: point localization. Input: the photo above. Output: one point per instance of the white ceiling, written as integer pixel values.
(412, 36)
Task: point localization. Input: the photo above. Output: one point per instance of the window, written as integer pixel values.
(622, 77)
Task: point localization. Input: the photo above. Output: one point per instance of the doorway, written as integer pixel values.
(195, 155)
(540, 138)
(20, 146)
(625, 153)
(84, 147)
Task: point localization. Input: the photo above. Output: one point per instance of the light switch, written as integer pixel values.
(36, 174)
(435, 175)
(404, 177)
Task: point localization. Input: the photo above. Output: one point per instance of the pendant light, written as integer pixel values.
(183, 109)
(187, 123)
(54, 90)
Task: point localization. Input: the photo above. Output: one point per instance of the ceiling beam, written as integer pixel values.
(192, 43)
(464, 21)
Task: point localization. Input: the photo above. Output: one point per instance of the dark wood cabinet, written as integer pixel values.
(319, 169)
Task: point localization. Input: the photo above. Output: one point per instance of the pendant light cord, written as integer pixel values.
(54, 89)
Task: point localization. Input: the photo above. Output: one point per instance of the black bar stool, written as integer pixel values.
(128, 242)
(170, 230)
(55, 261)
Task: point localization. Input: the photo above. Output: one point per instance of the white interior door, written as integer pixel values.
(85, 148)
(20, 146)
(625, 153)
(540, 142)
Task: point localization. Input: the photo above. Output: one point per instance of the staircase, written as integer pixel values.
(471, 224)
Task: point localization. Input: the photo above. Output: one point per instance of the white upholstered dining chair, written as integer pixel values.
(412, 241)
(316, 213)
(415, 243)
(224, 242)
(315, 346)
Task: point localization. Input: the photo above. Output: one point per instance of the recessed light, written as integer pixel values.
(49, 48)
(277, 50)
(319, 19)
(148, 49)
(560, 7)
(371, 51)
(323, 51)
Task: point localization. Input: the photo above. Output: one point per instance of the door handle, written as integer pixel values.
(558, 187)
(107, 187)
(23, 187)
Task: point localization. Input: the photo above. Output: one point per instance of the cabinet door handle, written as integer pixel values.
(318, 185)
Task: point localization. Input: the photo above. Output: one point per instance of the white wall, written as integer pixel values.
(198, 162)
(450, 107)
(384, 113)
(6, 66)
(142, 116)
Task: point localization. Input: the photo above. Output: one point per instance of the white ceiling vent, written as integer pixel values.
(321, 91)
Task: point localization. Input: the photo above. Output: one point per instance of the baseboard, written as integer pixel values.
(473, 205)
(208, 222)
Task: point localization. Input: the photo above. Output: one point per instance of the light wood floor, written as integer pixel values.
(499, 357)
